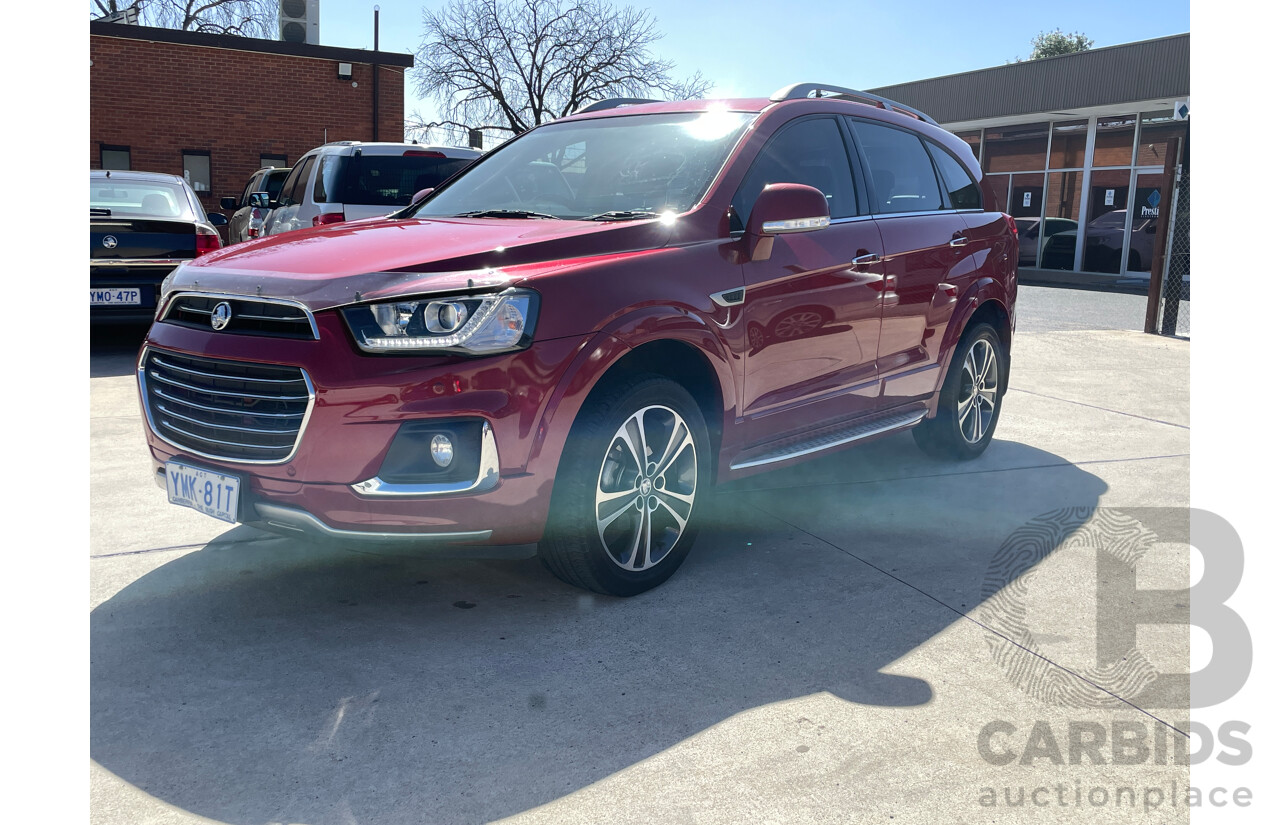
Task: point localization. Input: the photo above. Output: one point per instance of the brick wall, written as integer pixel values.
(160, 99)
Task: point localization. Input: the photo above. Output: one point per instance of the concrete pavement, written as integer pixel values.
(832, 651)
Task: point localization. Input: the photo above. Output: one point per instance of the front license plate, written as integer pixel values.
(115, 297)
(211, 493)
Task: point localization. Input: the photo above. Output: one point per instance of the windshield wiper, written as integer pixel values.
(507, 213)
(622, 215)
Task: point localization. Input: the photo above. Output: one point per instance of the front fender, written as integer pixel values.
(602, 351)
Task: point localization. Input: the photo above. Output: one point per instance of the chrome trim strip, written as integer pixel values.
(151, 425)
(190, 371)
(174, 383)
(139, 261)
(159, 392)
(886, 426)
(486, 479)
(226, 443)
(300, 521)
(233, 428)
(222, 296)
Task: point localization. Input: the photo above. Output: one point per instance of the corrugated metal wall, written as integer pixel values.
(1147, 70)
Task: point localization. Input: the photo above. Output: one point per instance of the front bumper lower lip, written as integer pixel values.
(290, 521)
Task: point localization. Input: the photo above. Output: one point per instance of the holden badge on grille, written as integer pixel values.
(221, 315)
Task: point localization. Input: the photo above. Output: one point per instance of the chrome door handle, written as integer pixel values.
(959, 241)
(863, 260)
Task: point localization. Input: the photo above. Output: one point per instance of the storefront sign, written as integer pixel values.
(1026, 199)
(1110, 199)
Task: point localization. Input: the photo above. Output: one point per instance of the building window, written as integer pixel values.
(1157, 129)
(197, 171)
(1066, 150)
(278, 161)
(1113, 145)
(115, 157)
(1018, 148)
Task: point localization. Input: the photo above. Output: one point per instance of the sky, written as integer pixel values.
(750, 48)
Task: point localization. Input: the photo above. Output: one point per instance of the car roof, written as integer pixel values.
(129, 174)
(391, 148)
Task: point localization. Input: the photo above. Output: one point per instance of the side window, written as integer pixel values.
(326, 179)
(811, 152)
(249, 189)
(902, 177)
(956, 180)
(294, 188)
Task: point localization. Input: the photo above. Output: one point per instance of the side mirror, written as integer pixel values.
(782, 209)
(261, 200)
(228, 203)
(422, 193)
(217, 219)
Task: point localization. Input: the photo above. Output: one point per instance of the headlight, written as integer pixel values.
(468, 324)
(165, 287)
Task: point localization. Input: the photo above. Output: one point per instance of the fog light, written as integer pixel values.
(442, 450)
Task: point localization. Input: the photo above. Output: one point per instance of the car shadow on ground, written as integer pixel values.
(265, 679)
(113, 348)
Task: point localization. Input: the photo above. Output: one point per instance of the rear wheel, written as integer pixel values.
(628, 488)
(969, 404)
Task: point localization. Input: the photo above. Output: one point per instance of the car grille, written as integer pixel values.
(232, 410)
(249, 316)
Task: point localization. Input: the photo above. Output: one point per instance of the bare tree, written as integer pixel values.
(248, 18)
(509, 65)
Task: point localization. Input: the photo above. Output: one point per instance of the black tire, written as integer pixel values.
(949, 434)
(597, 462)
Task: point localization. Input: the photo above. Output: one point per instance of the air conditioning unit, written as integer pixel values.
(300, 21)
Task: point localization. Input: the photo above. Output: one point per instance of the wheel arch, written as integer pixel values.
(985, 302)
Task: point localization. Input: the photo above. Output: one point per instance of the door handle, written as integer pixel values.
(959, 241)
(863, 260)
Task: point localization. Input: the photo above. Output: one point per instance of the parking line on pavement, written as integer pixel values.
(1096, 407)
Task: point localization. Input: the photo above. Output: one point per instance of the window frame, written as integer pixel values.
(943, 197)
(198, 153)
(860, 201)
(263, 156)
(110, 147)
(942, 181)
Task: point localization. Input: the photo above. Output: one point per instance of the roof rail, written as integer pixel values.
(797, 91)
(613, 103)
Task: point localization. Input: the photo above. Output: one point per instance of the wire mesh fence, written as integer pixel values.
(1174, 316)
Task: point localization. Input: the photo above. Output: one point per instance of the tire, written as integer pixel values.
(626, 550)
(966, 420)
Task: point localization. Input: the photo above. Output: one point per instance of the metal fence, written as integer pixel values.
(1174, 316)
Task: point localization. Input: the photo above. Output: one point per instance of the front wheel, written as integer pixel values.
(969, 404)
(628, 489)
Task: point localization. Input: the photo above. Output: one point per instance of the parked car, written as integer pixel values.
(141, 226)
(1104, 245)
(1031, 240)
(350, 180)
(557, 346)
(246, 221)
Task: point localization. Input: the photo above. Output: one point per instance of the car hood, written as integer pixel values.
(385, 258)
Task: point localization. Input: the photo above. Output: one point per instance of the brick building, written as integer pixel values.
(218, 107)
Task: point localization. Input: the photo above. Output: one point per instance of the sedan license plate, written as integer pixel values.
(213, 494)
(115, 297)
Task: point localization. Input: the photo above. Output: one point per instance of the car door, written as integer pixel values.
(925, 259)
(812, 309)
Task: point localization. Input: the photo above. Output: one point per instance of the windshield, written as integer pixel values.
(140, 199)
(607, 167)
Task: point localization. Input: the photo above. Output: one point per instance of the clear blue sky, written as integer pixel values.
(751, 47)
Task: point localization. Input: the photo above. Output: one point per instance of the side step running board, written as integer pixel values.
(828, 437)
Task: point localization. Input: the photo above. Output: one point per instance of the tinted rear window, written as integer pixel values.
(386, 180)
(142, 199)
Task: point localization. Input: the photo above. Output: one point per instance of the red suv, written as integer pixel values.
(571, 341)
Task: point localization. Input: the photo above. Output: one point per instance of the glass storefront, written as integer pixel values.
(1042, 177)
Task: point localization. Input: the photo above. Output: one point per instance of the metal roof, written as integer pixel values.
(1146, 70)
(247, 44)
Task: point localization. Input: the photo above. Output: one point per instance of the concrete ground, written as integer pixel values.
(847, 640)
